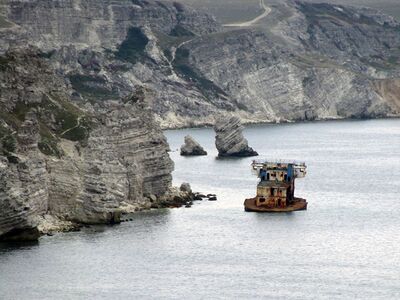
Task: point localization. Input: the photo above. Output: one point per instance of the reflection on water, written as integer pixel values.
(344, 246)
(14, 246)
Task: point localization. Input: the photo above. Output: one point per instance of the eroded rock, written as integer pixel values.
(229, 138)
(192, 147)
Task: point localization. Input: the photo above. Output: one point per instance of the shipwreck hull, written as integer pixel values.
(298, 204)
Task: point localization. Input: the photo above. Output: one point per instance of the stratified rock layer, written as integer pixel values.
(74, 163)
(23, 185)
(304, 61)
(192, 147)
(125, 160)
(229, 138)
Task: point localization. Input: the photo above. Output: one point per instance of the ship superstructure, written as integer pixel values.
(275, 190)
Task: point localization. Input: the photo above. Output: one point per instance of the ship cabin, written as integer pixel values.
(276, 186)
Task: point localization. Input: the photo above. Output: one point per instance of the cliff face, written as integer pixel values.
(125, 161)
(99, 24)
(308, 61)
(74, 163)
(23, 185)
(301, 62)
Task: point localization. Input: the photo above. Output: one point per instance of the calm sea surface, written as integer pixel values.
(345, 246)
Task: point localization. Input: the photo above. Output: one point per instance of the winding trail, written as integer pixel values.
(78, 123)
(266, 12)
(173, 57)
(176, 49)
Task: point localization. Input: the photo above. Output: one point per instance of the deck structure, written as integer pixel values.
(275, 190)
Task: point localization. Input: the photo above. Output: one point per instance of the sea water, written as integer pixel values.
(345, 246)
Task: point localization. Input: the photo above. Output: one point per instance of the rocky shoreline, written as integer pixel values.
(248, 123)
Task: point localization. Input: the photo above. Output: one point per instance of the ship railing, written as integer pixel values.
(278, 161)
(298, 166)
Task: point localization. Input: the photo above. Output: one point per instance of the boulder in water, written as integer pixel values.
(229, 138)
(191, 147)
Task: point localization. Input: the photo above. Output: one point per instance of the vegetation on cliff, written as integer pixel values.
(30, 85)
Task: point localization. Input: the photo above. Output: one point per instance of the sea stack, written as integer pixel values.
(192, 147)
(229, 138)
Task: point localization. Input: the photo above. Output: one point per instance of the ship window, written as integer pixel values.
(262, 200)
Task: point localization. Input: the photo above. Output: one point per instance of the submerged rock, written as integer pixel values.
(229, 138)
(192, 147)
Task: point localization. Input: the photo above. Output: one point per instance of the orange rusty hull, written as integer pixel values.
(298, 204)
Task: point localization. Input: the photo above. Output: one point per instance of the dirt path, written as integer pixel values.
(266, 12)
(77, 125)
(173, 56)
(176, 49)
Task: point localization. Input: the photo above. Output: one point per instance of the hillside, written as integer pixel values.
(227, 11)
(301, 61)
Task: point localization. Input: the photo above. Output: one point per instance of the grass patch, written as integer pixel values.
(166, 42)
(8, 143)
(379, 65)
(47, 54)
(21, 109)
(180, 31)
(48, 143)
(393, 60)
(4, 23)
(79, 133)
(5, 63)
(319, 11)
(50, 148)
(72, 124)
(65, 115)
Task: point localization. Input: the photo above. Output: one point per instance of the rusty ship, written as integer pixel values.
(275, 189)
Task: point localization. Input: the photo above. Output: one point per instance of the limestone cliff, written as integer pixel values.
(78, 137)
(304, 62)
(82, 164)
(301, 62)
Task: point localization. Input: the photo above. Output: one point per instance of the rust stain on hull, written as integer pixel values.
(297, 204)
